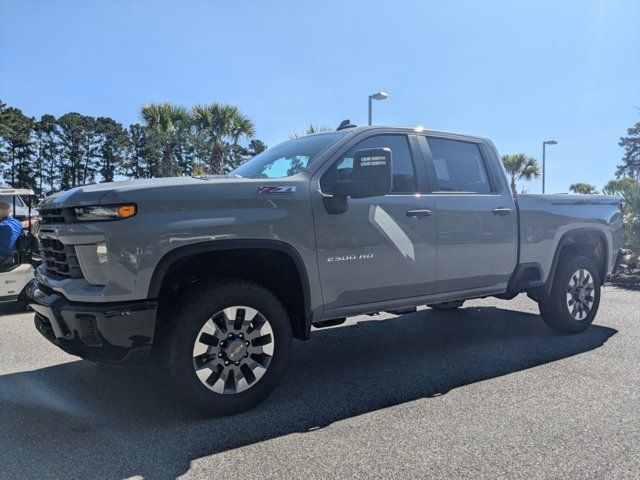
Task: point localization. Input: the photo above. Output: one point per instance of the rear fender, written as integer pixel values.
(570, 238)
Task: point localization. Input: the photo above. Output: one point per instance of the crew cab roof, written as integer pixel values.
(419, 130)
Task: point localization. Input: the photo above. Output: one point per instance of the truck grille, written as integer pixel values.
(59, 259)
(57, 215)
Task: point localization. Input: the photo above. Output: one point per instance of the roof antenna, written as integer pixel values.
(345, 124)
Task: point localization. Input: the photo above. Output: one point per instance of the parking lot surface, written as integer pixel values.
(484, 392)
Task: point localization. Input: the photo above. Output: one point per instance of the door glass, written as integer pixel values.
(404, 178)
(459, 166)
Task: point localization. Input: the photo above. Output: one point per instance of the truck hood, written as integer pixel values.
(129, 190)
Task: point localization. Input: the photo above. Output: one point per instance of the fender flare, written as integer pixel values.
(565, 240)
(165, 263)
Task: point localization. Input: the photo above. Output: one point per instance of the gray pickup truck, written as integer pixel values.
(215, 275)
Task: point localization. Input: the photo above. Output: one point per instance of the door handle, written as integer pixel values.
(501, 211)
(419, 213)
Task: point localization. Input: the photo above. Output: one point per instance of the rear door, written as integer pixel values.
(382, 248)
(476, 219)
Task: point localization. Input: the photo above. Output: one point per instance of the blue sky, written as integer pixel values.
(517, 72)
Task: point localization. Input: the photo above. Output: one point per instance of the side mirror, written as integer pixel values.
(371, 175)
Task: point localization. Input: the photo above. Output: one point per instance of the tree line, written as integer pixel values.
(56, 153)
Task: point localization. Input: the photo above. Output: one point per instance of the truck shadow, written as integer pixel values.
(73, 420)
(12, 308)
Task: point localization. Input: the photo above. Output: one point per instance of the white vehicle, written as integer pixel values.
(17, 271)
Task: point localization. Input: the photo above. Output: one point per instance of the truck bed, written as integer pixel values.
(545, 219)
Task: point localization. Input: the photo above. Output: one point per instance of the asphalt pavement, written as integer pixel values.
(484, 392)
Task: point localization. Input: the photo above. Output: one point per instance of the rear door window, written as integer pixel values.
(459, 166)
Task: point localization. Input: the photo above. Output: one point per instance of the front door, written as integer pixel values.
(381, 248)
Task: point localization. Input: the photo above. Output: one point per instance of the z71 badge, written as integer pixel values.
(277, 189)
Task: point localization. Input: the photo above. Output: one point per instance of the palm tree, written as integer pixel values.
(310, 130)
(583, 188)
(618, 186)
(220, 124)
(520, 167)
(168, 123)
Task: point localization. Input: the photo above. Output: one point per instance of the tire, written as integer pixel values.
(575, 297)
(206, 343)
(448, 305)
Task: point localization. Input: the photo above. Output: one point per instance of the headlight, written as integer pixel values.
(105, 212)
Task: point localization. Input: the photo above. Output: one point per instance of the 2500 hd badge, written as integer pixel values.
(348, 258)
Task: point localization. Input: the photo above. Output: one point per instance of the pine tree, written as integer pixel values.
(89, 171)
(142, 155)
(74, 156)
(17, 144)
(112, 144)
(631, 160)
(48, 171)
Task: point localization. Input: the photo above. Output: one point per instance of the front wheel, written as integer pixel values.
(228, 347)
(574, 299)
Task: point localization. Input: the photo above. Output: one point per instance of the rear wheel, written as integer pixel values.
(575, 297)
(447, 305)
(228, 347)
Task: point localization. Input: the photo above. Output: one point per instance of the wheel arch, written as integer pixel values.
(174, 258)
(580, 241)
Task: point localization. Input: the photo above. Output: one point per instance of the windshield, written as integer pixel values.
(287, 158)
(9, 200)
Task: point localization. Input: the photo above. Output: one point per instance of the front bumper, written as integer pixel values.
(103, 332)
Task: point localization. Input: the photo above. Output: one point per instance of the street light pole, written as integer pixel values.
(544, 151)
(544, 163)
(376, 96)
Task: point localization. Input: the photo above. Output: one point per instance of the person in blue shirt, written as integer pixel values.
(10, 229)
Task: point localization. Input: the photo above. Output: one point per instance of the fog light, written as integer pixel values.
(93, 260)
(102, 253)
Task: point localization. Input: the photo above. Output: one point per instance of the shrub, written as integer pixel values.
(631, 195)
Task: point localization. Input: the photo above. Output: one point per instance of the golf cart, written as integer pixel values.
(17, 271)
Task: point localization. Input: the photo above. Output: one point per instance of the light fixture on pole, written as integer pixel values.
(544, 145)
(375, 96)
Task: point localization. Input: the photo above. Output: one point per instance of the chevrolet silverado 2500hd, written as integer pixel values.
(217, 274)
